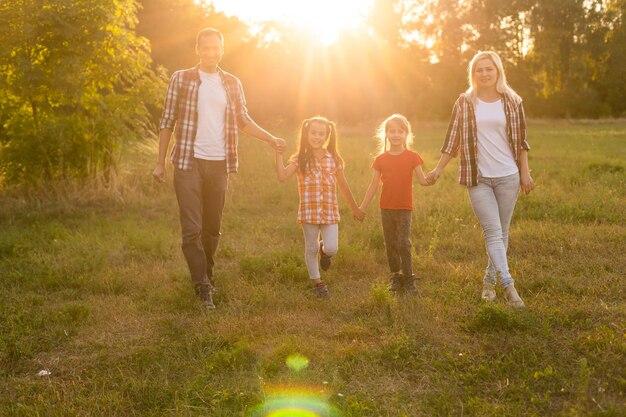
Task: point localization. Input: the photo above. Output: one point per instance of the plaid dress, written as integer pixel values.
(318, 191)
(181, 111)
(462, 136)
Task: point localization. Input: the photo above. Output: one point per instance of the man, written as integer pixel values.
(207, 106)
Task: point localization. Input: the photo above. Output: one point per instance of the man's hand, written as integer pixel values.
(278, 144)
(159, 174)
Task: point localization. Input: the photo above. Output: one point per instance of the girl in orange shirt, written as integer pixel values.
(320, 171)
(394, 167)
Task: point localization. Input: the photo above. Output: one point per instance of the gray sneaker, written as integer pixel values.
(206, 296)
(489, 293)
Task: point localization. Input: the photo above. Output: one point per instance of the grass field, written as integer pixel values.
(94, 290)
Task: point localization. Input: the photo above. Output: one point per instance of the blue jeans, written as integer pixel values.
(493, 201)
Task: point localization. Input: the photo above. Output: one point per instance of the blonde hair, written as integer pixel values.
(381, 131)
(502, 86)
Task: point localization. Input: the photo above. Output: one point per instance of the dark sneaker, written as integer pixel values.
(321, 289)
(206, 296)
(324, 259)
(409, 284)
(213, 286)
(396, 282)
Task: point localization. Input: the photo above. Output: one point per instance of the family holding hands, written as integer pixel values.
(487, 131)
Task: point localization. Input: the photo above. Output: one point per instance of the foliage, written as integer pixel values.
(76, 85)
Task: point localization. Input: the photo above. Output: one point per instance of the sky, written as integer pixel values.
(325, 20)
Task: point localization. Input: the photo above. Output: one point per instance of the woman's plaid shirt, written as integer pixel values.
(318, 191)
(181, 110)
(462, 135)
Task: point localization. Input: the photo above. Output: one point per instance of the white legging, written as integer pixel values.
(330, 237)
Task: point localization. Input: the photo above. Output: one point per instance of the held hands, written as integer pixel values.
(526, 182)
(278, 144)
(432, 176)
(159, 174)
(358, 214)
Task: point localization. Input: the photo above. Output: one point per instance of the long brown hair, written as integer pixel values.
(305, 153)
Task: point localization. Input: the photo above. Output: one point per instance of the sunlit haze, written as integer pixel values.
(324, 20)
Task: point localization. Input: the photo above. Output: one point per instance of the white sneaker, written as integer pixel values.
(489, 293)
(512, 297)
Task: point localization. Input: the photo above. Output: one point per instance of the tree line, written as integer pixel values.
(80, 78)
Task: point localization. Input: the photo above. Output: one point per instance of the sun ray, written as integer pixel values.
(323, 20)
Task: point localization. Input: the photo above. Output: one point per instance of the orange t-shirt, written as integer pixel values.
(397, 177)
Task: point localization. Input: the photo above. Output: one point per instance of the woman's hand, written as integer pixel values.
(358, 214)
(526, 182)
(433, 175)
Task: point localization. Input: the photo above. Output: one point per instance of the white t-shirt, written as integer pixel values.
(495, 157)
(210, 143)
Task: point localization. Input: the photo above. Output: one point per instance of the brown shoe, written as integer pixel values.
(325, 260)
(321, 289)
(512, 297)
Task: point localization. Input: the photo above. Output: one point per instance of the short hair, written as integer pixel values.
(206, 32)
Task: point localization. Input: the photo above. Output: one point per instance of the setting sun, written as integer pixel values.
(324, 20)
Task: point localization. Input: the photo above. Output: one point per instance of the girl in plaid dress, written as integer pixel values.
(395, 168)
(319, 169)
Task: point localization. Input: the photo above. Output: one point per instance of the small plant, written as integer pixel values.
(492, 317)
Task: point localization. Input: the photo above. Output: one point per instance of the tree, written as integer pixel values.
(77, 84)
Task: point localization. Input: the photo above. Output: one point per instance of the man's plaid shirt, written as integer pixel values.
(181, 110)
(462, 135)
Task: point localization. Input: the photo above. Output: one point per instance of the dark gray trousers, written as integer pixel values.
(397, 232)
(201, 193)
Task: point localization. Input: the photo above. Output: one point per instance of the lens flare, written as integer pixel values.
(291, 401)
(297, 362)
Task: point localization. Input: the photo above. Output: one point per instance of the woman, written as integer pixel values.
(488, 128)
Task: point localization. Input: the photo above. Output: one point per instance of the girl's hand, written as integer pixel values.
(278, 144)
(526, 182)
(433, 175)
(358, 214)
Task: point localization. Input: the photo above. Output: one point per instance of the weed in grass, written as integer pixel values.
(286, 266)
(376, 240)
(604, 167)
(399, 351)
(24, 332)
(493, 317)
(237, 356)
(357, 405)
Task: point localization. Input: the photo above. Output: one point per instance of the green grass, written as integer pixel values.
(94, 289)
